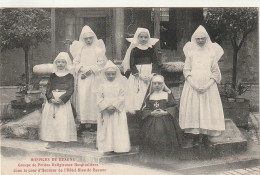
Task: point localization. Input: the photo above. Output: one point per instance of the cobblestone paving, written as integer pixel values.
(246, 171)
(253, 132)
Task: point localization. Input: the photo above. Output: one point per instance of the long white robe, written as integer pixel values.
(62, 127)
(112, 133)
(87, 105)
(201, 113)
(85, 58)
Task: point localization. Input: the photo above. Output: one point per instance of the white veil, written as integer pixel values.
(134, 43)
(77, 46)
(214, 48)
(150, 91)
(65, 56)
(119, 77)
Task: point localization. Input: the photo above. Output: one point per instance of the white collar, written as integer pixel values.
(159, 96)
(61, 73)
(143, 47)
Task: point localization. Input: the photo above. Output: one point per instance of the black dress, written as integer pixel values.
(160, 135)
(148, 56)
(61, 83)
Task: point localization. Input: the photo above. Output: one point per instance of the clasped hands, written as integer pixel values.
(85, 72)
(111, 109)
(200, 89)
(158, 112)
(56, 102)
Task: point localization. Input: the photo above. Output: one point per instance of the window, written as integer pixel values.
(164, 14)
(167, 28)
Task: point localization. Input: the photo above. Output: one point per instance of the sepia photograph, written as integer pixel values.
(130, 90)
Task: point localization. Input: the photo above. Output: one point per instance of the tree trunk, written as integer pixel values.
(26, 58)
(234, 75)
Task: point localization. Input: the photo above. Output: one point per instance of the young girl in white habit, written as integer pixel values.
(57, 122)
(141, 59)
(112, 133)
(201, 111)
(86, 52)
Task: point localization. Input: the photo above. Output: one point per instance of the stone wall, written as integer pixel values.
(7, 94)
(12, 63)
(248, 60)
(253, 96)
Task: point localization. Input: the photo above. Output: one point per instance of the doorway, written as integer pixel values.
(98, 25)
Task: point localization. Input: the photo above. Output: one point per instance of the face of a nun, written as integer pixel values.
(143, 38)
(200, 38)
(201, 41)
(61, 64)
(157, 86)
(110, 75)
(89, 40)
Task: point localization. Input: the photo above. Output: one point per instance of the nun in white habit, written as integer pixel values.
(86, 52)
(201, 109)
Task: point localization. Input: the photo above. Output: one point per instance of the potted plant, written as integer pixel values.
(33, 92)
(234, 108)
(21, 93)
(241, 89)
(28, 96)
(230, 93)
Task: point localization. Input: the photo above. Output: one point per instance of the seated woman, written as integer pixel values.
(160, 131)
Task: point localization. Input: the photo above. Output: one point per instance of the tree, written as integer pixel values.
(235, 23)
(24, 28)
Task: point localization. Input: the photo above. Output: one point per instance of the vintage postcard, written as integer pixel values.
(112, 88)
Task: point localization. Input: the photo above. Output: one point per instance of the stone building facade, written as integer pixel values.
(174, 27)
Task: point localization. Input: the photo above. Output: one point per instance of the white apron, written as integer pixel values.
(137, 88)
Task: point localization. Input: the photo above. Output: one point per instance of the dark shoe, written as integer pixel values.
(195, 142)
(205, 141)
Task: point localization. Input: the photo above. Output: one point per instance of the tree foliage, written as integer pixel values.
(21, 28)
(24, 28)
(235, 23)
(232, 23)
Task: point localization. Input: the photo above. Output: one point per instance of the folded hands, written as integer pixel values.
(200, 89)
